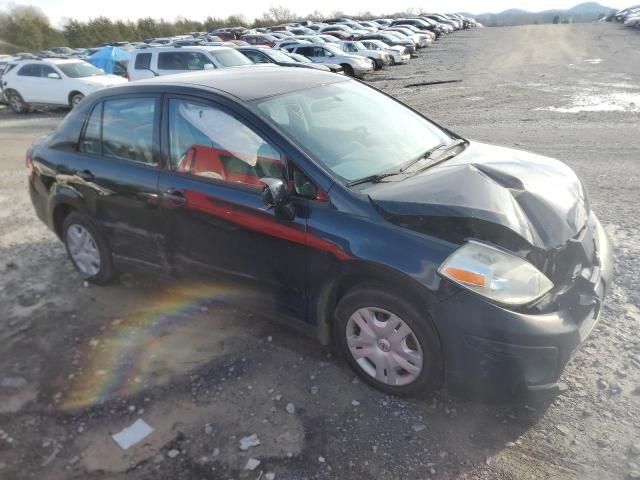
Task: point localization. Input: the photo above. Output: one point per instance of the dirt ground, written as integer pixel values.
(79, 363)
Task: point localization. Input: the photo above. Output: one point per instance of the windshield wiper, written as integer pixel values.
(454, 144)
(426, 155)
(375, 178)
(444, 156)
(423, 155)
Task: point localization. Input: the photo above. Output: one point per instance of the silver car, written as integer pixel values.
(353, 65)
(379, 58)
(397, 53)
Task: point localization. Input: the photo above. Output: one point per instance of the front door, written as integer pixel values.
(53, 90)
(217, 222)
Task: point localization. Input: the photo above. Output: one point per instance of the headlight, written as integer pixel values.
(496, 274)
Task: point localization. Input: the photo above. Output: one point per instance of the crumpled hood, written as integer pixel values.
(489, 191)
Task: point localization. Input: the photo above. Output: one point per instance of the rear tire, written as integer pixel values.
(87, 248)
(394, 335)
(347, 69)
(17, 104)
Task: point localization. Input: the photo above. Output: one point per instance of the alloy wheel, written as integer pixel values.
(76, 99)
(384, 346)
(16, 103)
(83, 250)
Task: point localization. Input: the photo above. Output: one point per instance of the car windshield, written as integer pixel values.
(79, 69)
(299, 58)
(333, 49)
(341, 126)
(379, 43)
(359, 45)
(230, 58)
(278, 56)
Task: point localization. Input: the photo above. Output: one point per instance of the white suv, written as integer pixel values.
(52, 82)
(156, 61)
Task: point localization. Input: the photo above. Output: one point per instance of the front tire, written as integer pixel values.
(388, 342)
(75, 99)
(347, 69)
(87, 249)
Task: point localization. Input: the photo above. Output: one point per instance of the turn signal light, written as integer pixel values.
(464, 276)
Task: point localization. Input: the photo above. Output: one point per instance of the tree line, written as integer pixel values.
(25, 28)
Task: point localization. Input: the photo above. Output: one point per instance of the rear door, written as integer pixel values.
(26, 82)
(217, 223)
(116, 172)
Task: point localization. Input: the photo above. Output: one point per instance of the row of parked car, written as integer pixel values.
(629, 17)
(63, 76)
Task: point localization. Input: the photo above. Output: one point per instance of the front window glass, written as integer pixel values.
(45, 70)
(207, 142)
(182, 61)
(341, 126)
(255, 57)
(79, 70)
(278, 56)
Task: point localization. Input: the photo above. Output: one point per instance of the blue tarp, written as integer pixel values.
(107, 57)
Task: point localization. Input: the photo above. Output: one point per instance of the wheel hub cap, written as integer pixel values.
(384, 346)
(83, 250)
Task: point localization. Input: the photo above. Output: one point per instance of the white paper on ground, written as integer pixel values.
(131, 435)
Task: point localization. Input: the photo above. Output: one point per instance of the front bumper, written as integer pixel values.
(360, 70)
(492, 351)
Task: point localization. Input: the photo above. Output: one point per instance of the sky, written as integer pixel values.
(198, 9)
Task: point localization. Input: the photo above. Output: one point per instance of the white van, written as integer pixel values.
(157, 61)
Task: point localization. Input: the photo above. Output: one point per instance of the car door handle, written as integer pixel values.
(86, 175)
(175, 198)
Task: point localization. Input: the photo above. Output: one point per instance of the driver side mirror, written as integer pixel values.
(208, 66)
(275, 194)
(54, 76)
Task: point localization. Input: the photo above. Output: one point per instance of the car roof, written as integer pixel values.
(55, 61)
(248, 82)
(199, 48)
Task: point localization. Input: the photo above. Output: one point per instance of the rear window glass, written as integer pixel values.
(31, 70)
(143, 61)
(91, 142)
(65, 137)
(127, 131)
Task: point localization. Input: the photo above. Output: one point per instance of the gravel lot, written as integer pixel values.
(78, 363)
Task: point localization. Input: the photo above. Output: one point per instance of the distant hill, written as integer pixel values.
(584, 12)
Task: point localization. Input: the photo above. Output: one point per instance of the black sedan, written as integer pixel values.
(425, 257)
(260, 55)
